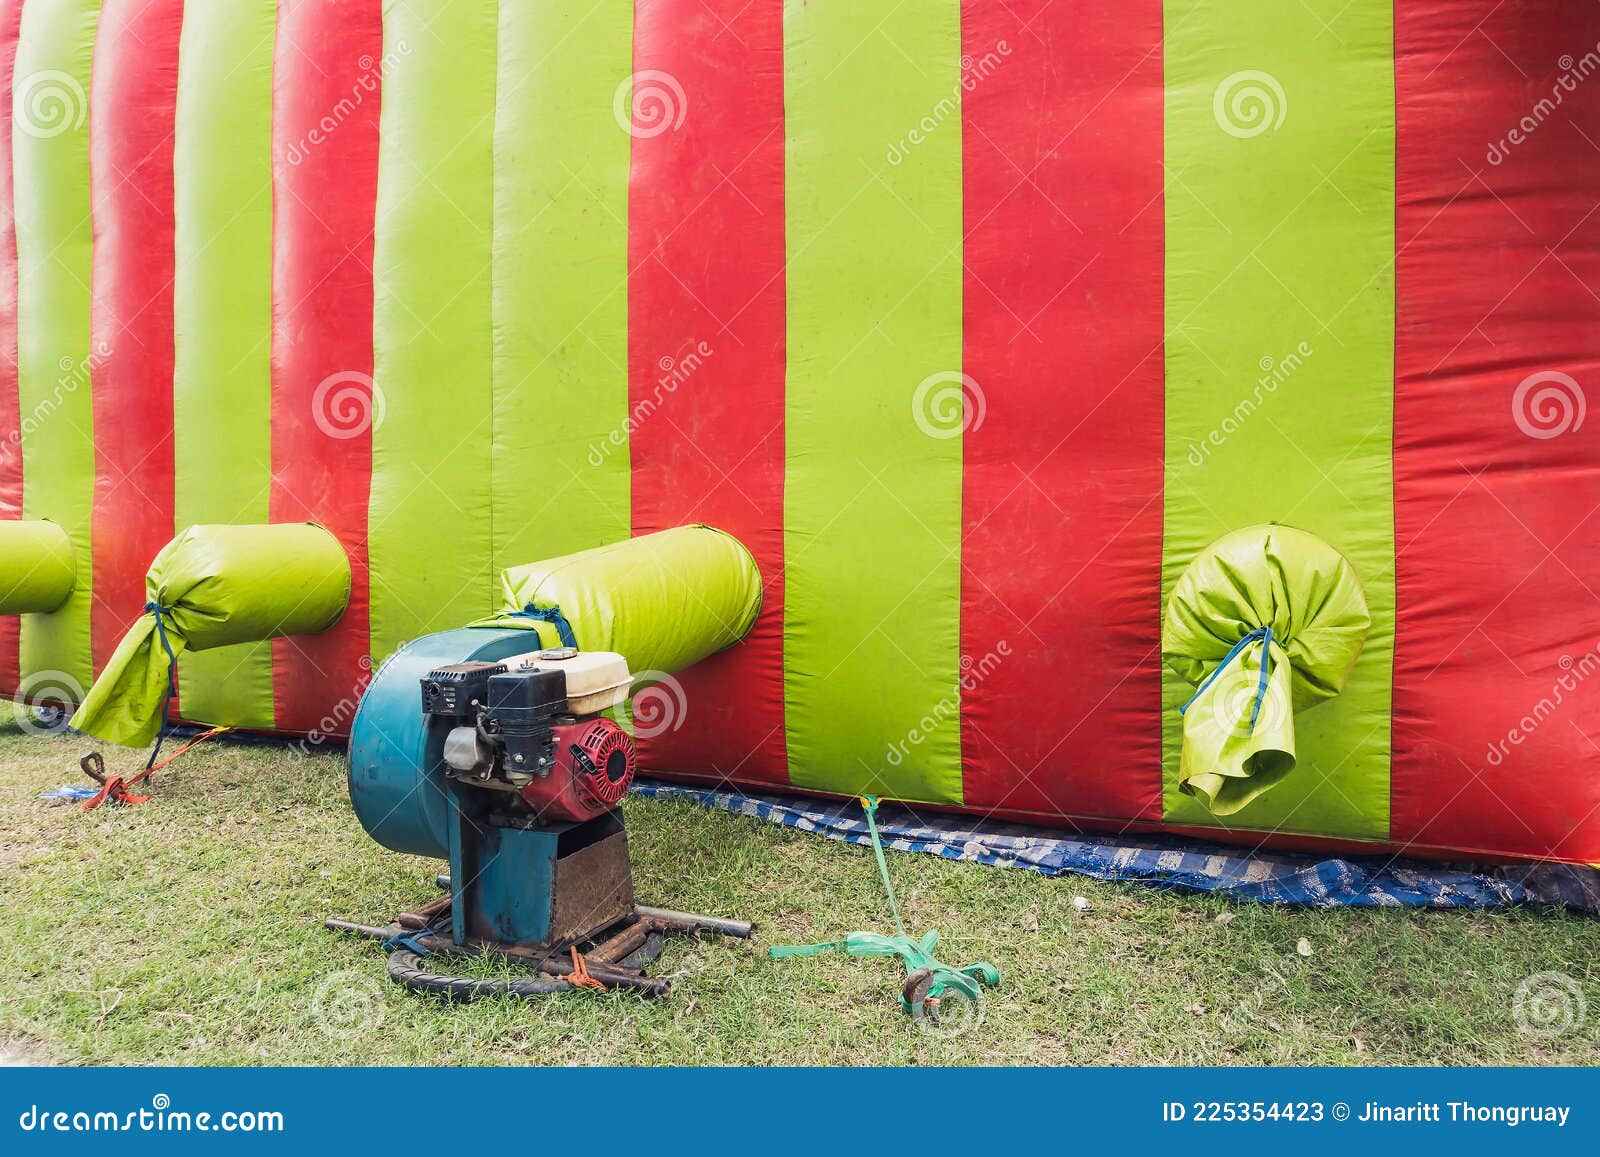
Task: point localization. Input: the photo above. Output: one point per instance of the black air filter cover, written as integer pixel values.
(520, 701)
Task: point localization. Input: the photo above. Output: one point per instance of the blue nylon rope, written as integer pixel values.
(161, 613)
(1262, 635)
(411, 940)
(549, 615)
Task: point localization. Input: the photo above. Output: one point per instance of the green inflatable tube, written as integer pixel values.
(214, 586)
(38, 568)
(662, 601)
(1269, 597)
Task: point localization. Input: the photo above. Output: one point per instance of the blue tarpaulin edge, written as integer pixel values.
(1167, 861)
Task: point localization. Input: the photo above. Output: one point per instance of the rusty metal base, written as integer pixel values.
(615, 957)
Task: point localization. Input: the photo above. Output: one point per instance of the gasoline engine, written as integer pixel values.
(522, 727)
(506, 761)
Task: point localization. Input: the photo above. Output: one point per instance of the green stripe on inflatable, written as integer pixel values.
(222, 314)
(1279, 352)
(561, 473)
(872, 519)
(50, 146)
(432, 340)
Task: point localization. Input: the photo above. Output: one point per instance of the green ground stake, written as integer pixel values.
(926, 978)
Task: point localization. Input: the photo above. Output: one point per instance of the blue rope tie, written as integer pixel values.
(549, 615)
(411, 940)
(1262, 635)
(161, 614)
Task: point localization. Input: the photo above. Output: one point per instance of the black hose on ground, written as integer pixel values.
(405, 966)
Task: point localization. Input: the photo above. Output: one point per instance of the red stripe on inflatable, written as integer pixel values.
(706, 348)
(326, 80)
(1497, 519)
(132, 110)
(10, 404)
(1061, 540)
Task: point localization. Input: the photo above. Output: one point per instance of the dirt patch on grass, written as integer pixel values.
(23, 1052)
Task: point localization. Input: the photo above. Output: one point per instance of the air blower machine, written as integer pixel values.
(470, 747)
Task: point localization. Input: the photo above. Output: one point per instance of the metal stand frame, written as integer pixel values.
(615, 957)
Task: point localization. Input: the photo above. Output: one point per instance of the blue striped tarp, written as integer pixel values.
(1167, 861)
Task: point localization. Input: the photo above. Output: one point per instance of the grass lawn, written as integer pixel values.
(188, 931)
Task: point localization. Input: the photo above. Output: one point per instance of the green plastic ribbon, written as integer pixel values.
(917, 954)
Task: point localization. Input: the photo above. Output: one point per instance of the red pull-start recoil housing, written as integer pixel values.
(594, 766)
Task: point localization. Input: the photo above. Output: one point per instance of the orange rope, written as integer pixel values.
(195, 742)
(580, 977)
(116, 787)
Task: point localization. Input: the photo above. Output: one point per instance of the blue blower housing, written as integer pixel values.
(396, 765)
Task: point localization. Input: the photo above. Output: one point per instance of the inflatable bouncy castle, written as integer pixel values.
(1060, 366)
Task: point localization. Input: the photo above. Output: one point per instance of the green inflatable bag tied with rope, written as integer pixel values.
(214, 586)
(1266, 621)
(662, 601)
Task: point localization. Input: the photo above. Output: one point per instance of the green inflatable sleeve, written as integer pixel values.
(214, 586)
(662, 601)
(38, 568)
(1269, 595)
